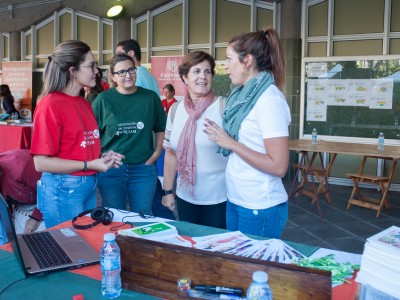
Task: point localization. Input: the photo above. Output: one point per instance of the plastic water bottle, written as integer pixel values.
(110, 262)
(381, 142)
(314, 136)
(259, 289)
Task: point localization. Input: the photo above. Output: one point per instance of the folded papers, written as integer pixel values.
(380, 262)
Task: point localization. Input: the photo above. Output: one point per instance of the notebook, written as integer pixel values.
(68, 249)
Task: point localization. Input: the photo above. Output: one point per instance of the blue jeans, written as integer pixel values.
(262, 222)
(61, 197)
(136, 182)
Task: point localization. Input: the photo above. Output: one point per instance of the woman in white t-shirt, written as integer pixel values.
(201, 190)
(255, 135)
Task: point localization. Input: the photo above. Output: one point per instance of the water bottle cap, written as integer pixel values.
(108, 237)
(260, 276)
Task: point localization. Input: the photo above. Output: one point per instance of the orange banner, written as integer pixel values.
(18, 76)
(165, 70)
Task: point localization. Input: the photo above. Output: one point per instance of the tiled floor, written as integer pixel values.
(342, 229)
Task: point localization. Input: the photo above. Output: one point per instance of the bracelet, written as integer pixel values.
(33, 218)
(85, 166)
(167, 192)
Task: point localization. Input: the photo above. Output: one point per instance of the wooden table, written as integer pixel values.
(15, 137)
(306, 166)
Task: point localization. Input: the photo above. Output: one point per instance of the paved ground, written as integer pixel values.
(342, 229)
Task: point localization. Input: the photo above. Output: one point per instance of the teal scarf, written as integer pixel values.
(240, 102)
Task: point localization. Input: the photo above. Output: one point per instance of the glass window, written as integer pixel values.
(231, 19)
(45, 39)
(167, 27)
(316, 49)
(318, 19)
(201, 49)
(142, 34)
(357, 48)
(167, 53)
(87, 32)
(41, 62)
(394, 46)
(107, 37)
(144, 57)
(6, 43)
(348, 18)
(199, 21)
(220, 54)
(265, 17)
(28, 42)
(107, 59)
(65, 27)
(395, 19)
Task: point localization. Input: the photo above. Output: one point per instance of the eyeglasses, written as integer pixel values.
(122, 73)
(92, 65)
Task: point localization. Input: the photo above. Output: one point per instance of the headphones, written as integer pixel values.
(99, 214)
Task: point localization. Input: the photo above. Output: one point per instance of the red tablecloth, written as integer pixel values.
(15, 137)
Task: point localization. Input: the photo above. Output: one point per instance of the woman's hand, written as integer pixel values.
(115, 157)
(108, 160)
(218, 135)
(168, 201)
(31, 225)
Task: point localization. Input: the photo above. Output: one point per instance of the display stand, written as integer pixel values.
(153, 268)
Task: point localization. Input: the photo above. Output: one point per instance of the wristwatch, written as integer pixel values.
(167, 192)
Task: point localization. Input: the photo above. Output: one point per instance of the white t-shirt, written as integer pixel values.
(210, 185)
(247, 186)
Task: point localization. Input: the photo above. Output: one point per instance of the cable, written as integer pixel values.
(12, 283)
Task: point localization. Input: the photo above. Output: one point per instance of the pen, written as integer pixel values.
(210, 296)
(219, 289)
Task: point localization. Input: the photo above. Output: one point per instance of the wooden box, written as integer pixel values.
(153, 268)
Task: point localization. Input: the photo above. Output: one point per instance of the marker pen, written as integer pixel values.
(219, 289)
(213, 296)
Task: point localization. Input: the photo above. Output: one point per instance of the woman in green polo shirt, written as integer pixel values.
(129, 116)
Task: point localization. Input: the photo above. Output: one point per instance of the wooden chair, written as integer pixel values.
(311, 188)
(368, 202)
(306, 188)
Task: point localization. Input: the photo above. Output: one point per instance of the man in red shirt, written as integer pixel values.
(18, 178)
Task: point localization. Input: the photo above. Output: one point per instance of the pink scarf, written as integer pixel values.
(186, 151)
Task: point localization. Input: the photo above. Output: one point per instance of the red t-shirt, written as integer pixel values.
(65, 127)
(167, 105)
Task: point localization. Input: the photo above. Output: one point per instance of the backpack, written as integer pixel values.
(174, 107)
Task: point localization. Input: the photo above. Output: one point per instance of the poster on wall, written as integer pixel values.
(165, 70)
(18, 76)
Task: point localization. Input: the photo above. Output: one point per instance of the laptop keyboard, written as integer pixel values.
(46, 250)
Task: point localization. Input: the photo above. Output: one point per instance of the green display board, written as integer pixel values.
(351, 97)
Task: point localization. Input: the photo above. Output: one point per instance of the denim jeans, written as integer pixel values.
(61, 197)
(268, 222)
(136, 182)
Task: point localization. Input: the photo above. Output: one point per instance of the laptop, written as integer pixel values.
(67, 249)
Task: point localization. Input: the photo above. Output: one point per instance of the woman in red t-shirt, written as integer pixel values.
(66, 143)
(169, 93)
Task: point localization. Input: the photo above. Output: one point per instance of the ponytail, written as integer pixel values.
(265, 47)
